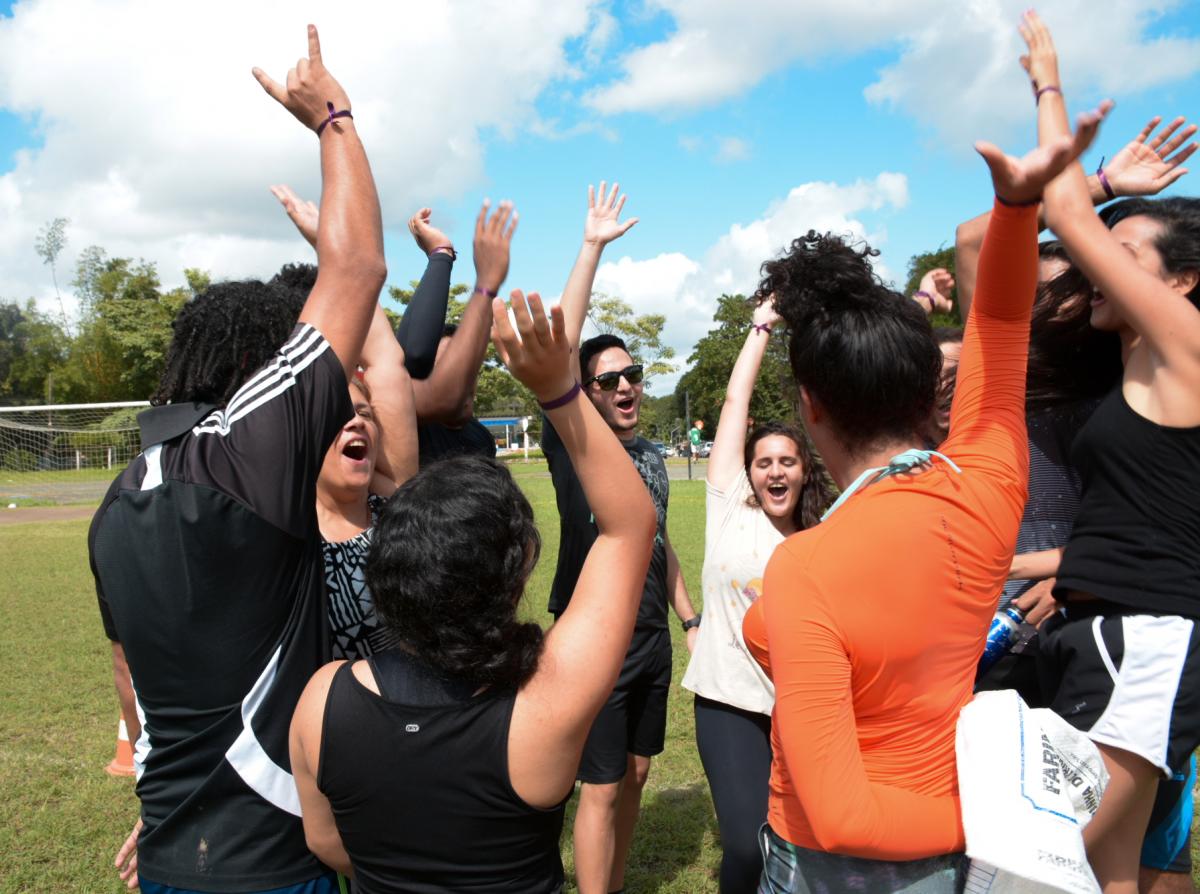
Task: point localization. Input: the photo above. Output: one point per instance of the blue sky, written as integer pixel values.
(696, 164)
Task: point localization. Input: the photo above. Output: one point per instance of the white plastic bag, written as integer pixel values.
(1029, 783)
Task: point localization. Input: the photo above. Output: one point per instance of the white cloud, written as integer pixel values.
(965, 82)
(686, 290)
(957, 72)
(158, 143)
(732, 149)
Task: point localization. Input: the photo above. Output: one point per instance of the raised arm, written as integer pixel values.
(387, 379)
(600, 227)
(585, 648)
(1145, 166)
(420, 328)
(987, 418)
(350, 263)
(725, 460)
(1156, 310)
(445, 396)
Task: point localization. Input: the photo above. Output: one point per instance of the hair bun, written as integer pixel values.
(819, 276)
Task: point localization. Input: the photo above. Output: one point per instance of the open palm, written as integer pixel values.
(1147, 168)
(602, 225)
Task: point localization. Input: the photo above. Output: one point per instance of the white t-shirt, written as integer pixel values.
(738, 541)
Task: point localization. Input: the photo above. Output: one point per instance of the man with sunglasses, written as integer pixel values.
(631, 727)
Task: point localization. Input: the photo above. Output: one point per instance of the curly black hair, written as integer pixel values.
(864, 352)
(223, 336)
(299, 276)
(450, 554)
(816, 489)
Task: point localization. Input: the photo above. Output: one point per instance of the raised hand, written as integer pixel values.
(1020, 181)
(304, 214)
(428, 236)
(308, 87)
(937, 284)
(765, 314)
(602, 225)
(1147, 168)
(536, 352)
(1041, 62)
(493, 236)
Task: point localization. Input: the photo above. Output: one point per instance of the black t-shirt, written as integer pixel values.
(578, 528)
(208, 569)
(1135, 535)
(436, 442)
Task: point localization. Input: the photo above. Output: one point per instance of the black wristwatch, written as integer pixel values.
(693, 621)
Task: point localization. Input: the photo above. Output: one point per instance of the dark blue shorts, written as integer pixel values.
(331, 883)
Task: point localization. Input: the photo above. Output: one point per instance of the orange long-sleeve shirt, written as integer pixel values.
(871, 624)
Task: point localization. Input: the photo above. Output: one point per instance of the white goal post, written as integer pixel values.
(62, 438)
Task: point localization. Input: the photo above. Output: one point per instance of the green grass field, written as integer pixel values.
(62, 818)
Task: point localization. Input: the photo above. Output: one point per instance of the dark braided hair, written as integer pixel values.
(864, 352)
(223, 336)
(450, 554)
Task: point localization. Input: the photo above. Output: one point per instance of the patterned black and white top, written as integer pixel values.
(355, 628)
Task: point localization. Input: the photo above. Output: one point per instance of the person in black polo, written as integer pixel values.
(631, 726)
(206, 551)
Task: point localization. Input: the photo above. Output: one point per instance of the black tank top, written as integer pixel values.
(418, 781)
(1136, 541)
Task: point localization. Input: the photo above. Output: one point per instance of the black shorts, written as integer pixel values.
(1128, 681)
(634, 719)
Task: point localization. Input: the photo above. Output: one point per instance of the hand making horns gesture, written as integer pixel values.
(310, 89)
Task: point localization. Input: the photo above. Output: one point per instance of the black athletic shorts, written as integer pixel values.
(634, 719)
(1128, 681)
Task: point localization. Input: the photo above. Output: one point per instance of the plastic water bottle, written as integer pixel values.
(1001, 636)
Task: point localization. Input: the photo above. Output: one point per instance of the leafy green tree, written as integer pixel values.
(32, 346)
(659, 418)
(642, 334)
(711, 363)
(124, 328)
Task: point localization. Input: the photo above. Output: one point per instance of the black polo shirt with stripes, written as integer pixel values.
(208, 568)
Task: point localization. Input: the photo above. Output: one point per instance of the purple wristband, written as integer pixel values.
(762, 327)
(921, 293)
(488, 293)
(344, 113)
(446, 250)
(561, 401)
(1103, 178)
(1037, 95)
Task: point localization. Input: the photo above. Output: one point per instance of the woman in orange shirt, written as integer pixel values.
(871, 623)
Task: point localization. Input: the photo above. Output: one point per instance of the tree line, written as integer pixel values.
(114, 347)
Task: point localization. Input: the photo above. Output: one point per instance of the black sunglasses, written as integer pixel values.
(608, 381)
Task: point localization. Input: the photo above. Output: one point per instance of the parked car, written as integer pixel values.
(663, 449)
(704, 449)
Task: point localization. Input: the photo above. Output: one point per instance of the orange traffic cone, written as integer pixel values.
(122, 763)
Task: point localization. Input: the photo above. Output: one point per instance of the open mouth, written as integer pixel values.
(625, 404)
(777, 491)
(355, 449)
